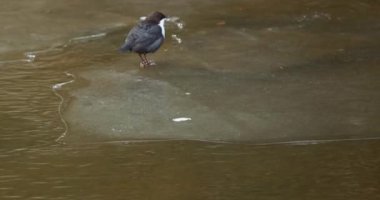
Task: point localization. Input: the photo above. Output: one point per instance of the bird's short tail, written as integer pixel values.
(125, 47)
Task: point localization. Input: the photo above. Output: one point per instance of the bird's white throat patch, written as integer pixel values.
(162, 25)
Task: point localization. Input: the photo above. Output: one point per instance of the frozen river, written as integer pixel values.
(249, 100)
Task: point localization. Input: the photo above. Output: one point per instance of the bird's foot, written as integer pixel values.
(151, 63)
(144, 64)
(147, 63)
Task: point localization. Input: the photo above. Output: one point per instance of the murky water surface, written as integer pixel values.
(250, 100)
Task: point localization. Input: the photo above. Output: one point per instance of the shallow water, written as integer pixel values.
(280, 99)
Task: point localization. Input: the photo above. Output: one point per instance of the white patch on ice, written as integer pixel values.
(181, 119)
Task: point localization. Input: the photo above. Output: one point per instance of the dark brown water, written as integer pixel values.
(283, 98)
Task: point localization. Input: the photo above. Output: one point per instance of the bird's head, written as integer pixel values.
(155, 17)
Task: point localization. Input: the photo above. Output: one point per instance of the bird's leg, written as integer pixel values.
(144, 62)
(150, 62)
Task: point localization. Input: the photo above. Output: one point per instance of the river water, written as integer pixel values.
(249, 100)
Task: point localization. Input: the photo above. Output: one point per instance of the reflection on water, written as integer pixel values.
(246, 72)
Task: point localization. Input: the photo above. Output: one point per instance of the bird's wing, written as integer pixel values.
(130, 40)
(141, 36)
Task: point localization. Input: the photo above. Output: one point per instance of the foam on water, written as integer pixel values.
(55, 89)
(90, 37)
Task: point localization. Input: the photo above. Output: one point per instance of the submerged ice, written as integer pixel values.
(130, 107)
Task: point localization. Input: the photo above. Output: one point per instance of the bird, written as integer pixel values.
(146, 37)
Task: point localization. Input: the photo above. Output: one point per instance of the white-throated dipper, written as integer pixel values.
(146, 37)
